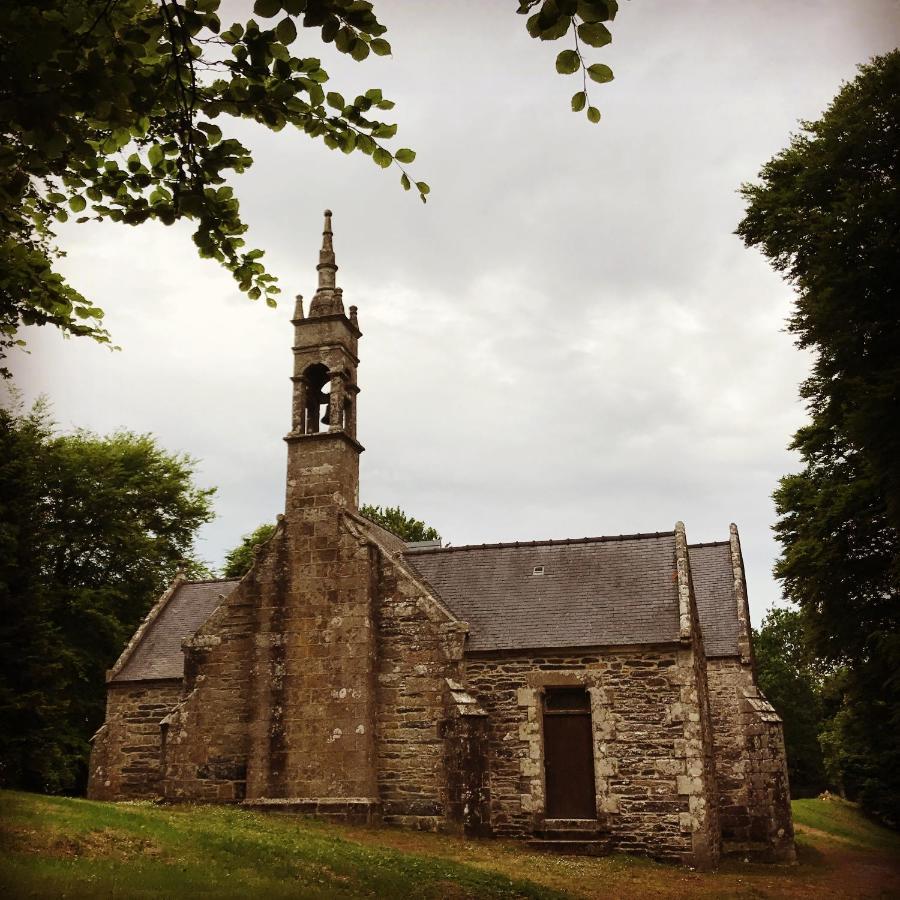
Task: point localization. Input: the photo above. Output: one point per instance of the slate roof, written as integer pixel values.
(158, 653)
(593, 591)
(713, 579)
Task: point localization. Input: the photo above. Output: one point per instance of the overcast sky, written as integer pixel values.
(567, 340)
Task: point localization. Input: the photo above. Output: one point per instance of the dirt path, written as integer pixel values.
(828, 869)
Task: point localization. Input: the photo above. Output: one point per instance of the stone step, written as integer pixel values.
(592, 825)
(563, 835)
(571, 829)
(570, 846)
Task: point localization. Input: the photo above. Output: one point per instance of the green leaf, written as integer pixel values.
(336, 100)
(155, 155)
(405, 155)
(600, 73)
(77, 204)
(567, 62)
(267, 8)
(578, 101)
(423, 188)
(213, 132)
(594, 34)
(380, 47)
(593, 114)
(360, 50)
(404, 180)
(382, 157)
(597, 10)
(286, 31)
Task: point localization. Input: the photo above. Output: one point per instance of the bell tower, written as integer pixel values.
(313, 714)
(323, 453)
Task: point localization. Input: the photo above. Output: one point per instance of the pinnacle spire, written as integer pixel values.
(327, 265)
(327, 300)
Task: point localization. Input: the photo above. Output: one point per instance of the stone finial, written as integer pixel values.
(327, 300)
(327, 265)
(298, 307)
(353, 317)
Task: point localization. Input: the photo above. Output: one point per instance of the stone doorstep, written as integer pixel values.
(571, 829)
(570, 846)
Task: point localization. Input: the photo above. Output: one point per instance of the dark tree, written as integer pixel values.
(827, 214)
(91, 531)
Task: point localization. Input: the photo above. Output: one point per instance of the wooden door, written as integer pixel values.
(569, 756)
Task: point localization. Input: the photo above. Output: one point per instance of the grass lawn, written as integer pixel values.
(59, 847)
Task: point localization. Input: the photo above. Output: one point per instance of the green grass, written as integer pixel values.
(58, 847)
(842, 821)
(75, 848)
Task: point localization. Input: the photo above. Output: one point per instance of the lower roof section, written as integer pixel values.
(158, 653)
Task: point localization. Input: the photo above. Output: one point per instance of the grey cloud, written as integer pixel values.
(567, 340)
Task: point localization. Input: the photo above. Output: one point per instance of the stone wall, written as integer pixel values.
(205, 738)
(125, 757)
(419, 646)
(771, 821)
(649, 761)
(727, 678)
(754, 797)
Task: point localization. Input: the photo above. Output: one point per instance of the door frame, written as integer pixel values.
(587, 711)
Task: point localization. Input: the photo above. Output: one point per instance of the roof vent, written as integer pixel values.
(537, 570)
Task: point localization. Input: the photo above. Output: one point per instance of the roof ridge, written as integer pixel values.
(557, 542)
(211, 580)
(710, 544)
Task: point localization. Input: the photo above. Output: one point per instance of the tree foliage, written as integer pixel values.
(91, 530)
(552, 20)
(393, 519)
(239, 560)
(827, 214)
(792, 680)
(116, 109)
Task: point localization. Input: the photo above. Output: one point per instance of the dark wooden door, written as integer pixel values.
(569, 765)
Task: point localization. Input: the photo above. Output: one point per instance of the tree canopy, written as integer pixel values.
(393, 519)
(116, 109)
(826, 213)
(91, 531)
(239, 560)
(792, 682)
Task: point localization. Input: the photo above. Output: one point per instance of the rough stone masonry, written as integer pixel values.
(581, 695)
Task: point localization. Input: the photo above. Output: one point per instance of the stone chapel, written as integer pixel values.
(580, 694)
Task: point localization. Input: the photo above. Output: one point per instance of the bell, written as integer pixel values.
(326, 399)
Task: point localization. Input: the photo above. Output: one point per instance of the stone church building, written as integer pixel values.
(580, 694)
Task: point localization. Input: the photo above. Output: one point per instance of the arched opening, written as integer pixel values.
(318, 395)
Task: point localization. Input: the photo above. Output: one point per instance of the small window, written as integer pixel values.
(537, 570)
